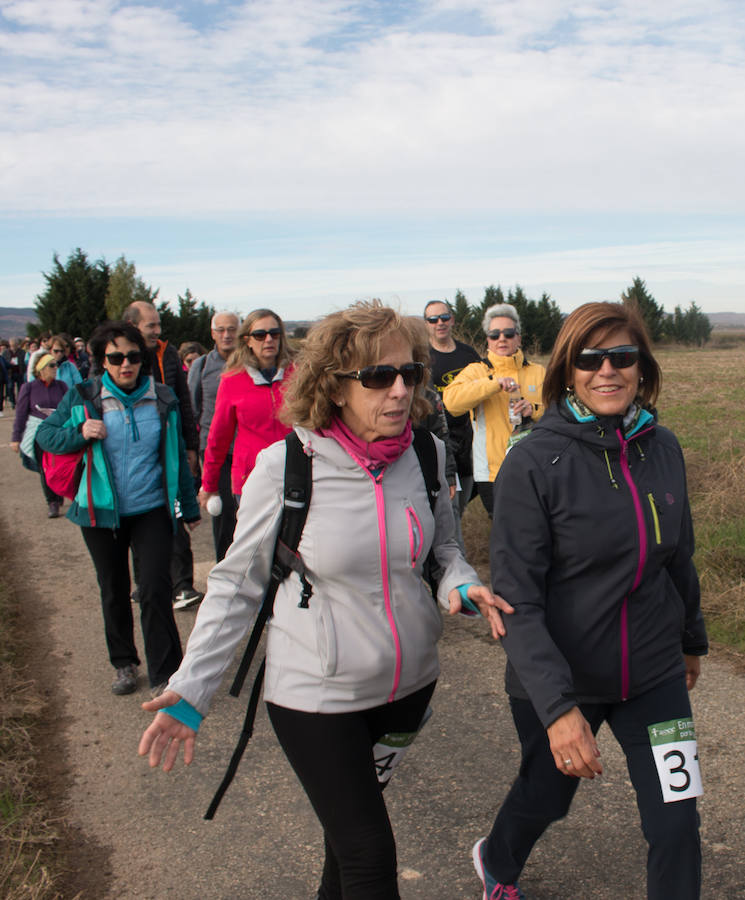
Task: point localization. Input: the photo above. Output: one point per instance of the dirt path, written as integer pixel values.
(139, 834)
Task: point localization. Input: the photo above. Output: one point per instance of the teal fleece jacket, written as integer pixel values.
(61, 433)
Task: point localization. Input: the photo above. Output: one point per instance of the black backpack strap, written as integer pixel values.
(297, 493)
(426, 451)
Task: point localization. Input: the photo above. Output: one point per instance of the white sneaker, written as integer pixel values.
(187, 598)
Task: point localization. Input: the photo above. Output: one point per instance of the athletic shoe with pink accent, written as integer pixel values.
(493, 890)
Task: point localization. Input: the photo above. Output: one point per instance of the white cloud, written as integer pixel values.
(430, 109)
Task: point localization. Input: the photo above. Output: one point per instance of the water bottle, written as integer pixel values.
(515, 417)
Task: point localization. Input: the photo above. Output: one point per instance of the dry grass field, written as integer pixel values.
(702, 403)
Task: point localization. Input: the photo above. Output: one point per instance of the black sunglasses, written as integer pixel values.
(379, 377)
(260, 333)
(507, 332)
(443, 317)
(622, 357)
(133, 357)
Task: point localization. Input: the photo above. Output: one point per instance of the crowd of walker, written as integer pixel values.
(593, 593)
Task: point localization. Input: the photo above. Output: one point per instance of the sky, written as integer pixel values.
(302, 154)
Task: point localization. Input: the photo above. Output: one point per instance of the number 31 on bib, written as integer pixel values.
(676, 757)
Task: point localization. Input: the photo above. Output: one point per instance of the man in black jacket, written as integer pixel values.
(166, 368)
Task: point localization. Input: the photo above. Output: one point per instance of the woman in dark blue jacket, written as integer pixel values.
(128, 499)
(593, 546)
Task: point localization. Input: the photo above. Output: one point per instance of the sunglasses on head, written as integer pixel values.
(378, 377)
(260, 334)
(442, 317)
(507, 332)
(591, 359)
(116, 359)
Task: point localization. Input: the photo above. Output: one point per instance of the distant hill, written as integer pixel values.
(727, 320)
(13, 320)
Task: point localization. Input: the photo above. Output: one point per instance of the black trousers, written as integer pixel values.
(149, 535)
(223, 525)
(49, 494)
(182, 560)
(485, 491)
(331, 754)
(542, 795)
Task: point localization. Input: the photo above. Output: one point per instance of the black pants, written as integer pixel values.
(331, 754)
(49, 494)
(541, 794)
(486, 493)
(149, 535)
(223, 525)
(182, 560)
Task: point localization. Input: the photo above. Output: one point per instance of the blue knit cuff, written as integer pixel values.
(469, 607)
(185, 713)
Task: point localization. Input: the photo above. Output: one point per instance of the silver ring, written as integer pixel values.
(567, 762)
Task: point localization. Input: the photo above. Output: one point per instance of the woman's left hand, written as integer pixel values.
(165, 735)
(693, 670)
(491, 606)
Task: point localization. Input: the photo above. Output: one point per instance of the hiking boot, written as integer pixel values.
(125, 681)
(493, 890)
(53, 510)
(157, 690)
(185, 599)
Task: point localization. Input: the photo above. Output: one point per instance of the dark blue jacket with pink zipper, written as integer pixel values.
(592, 543)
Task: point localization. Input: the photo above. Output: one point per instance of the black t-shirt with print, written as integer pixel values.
(445, 367)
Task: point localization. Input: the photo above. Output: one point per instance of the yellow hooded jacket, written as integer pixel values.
(476, 389)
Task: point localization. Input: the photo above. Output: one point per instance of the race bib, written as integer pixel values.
(676, 757)
(390, 749)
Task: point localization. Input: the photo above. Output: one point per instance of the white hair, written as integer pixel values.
(225, 312)
(501, 310)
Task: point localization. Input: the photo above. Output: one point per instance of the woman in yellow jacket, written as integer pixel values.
(485, 389)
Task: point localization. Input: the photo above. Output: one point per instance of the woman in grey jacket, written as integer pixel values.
(596, 558)
(360, 662)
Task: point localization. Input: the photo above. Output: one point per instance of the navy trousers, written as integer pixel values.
(541, 794)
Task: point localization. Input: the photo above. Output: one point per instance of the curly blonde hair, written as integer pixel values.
(345, 341)
(244, 356)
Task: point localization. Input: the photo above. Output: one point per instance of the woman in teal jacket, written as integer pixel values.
(138, 474)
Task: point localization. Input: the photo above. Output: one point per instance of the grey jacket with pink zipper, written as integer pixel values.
(592, 544)
(369, 633)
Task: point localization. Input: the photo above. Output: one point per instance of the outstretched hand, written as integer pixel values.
(491, 606)
(162, 739)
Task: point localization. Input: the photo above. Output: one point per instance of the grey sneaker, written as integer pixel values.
(157, 690)
(125, 681)
(53, 512)
(187, 598)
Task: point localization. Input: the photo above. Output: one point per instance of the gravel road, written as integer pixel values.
(136, 833)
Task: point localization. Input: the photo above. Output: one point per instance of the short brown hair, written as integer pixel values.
(244, 356)
(572, 339)
(345, 341)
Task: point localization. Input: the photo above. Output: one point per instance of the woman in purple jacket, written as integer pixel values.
(35, 401)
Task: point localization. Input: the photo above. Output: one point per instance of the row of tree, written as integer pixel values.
(80, 294)
(691, 327)
(542, 319)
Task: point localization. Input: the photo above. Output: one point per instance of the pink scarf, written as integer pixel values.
(373, 455)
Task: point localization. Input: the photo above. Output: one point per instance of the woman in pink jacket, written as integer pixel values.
(248, 401)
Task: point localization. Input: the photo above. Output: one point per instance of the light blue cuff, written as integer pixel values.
(470, 607)
(185, 713)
